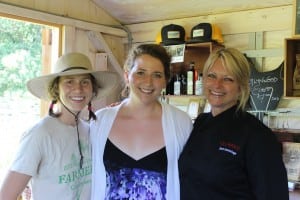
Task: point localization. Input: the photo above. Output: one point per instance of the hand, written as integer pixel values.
(26, 195)
(113, 104)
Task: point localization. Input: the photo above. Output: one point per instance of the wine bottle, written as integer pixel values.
(177, 85)
(190, 79)
(199, 85)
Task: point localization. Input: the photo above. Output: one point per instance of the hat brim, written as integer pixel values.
(197, 40)
(107, 81)
(172, 42)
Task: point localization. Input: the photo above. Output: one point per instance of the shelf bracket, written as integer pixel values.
(257, 52)
(100, 44)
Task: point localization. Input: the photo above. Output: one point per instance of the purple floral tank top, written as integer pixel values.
(129, 179)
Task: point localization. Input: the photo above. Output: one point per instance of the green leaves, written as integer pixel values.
(20, 54)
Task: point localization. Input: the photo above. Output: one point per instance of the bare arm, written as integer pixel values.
(13, 185)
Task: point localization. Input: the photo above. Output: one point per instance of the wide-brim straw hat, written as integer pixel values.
(73, 64)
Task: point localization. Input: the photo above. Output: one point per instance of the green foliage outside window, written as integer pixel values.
(20, 55)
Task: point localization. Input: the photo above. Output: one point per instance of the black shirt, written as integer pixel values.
(232, 156)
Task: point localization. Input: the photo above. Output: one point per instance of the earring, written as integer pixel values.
(125, 92)
(91, 113)
(50, 111)
(163, 95)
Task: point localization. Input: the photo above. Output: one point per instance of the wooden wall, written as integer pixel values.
(79, 18)
(262, 29)
(237, 28)
(78, 9)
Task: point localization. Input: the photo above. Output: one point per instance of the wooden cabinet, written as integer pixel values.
(197, 53)
(295, 195)
(292, 48)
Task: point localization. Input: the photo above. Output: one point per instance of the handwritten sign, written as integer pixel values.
(266, 88)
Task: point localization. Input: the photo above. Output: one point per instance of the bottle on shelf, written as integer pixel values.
(170, 86)
(177, 84)
(199, 85)
(183, 83)
(196, 73)
(190, 78)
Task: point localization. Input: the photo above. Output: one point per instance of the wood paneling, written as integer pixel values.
(77, 9)
(269, 19)
(274, 22)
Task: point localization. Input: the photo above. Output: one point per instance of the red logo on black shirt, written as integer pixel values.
(229, 147)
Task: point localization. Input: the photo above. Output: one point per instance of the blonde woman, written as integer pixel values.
(230, 153)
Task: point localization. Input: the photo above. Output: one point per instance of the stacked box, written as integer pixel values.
(291, 158)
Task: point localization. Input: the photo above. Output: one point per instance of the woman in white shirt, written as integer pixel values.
(136, 144)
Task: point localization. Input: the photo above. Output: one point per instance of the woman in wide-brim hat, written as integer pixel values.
(55, 154)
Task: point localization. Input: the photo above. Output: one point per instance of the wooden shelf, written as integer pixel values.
(183, 102)
(287, 135)
(295, 195)
(197, 53)
(194, 52)
(186, 96)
